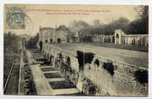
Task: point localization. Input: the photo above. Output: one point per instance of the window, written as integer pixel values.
(51, 41)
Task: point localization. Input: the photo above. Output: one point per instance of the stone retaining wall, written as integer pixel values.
(123, 82)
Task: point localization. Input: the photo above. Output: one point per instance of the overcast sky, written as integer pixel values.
(55, 15)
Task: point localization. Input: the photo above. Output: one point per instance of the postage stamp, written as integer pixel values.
(15, 18)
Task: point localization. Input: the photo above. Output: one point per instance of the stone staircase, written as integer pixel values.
(50, 81)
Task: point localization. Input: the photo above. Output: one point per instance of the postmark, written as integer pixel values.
(15, 18)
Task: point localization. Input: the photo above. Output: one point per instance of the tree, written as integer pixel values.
(140, 25)
(76, 26)
(121, 23)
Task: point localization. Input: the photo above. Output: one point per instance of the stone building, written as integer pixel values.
(53, 35)
(61, 34)
(46, 34)
(130, 39)
(74, 37)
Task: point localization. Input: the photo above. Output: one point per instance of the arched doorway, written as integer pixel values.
(58, 40)
(113, 39)
(117, 38)
(133, 42)
(41, 45)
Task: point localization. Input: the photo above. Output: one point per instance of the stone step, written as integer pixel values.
(56, 71)
(66, 91)
(56, 79)
(52, 75)
(62, 84)
(72, 94)
(48, 69)
(47, 66)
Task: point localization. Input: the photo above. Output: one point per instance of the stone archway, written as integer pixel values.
(118, 36)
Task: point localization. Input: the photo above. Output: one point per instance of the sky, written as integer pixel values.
(55, 15)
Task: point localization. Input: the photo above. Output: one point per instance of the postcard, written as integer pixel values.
(76, 50)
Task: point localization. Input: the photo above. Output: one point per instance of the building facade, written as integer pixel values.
(63, 35)
(53, 35)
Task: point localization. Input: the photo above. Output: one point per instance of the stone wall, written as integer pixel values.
(103, 38)
(130, 39)
(118, 80)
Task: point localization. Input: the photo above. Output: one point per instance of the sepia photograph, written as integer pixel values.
(75, 50)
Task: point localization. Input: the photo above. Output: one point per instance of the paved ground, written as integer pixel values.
(128, 47)
(126, 56)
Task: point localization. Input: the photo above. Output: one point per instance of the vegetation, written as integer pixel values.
(11, 52)
(32, 42)
(138, 26)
